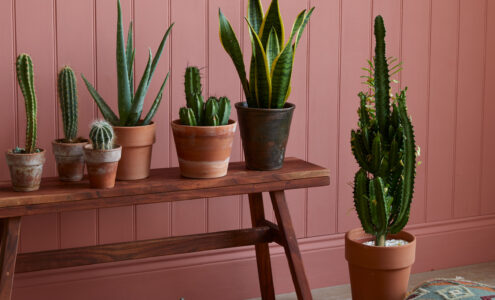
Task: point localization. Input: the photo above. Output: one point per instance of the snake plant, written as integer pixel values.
(385, 150)
(130, 102)
(272, 57)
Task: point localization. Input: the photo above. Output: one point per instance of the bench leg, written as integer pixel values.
(262, 250)
(10, 228)
(291, 248)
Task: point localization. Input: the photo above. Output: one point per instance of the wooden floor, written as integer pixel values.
(484, 273)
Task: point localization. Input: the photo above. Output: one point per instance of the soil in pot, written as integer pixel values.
(102, 166)
(264, 134)
(137, 144)
(25, 170)
(203, 151)
(379, 272)
(70, 159)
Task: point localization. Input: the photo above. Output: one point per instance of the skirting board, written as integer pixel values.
(231, 274)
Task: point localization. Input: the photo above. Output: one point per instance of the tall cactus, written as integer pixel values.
(101, 135)
(385, 150)
(67, 94)
(25, 76)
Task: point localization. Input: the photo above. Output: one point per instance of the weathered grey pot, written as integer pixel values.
(25, 170)
(70, 159)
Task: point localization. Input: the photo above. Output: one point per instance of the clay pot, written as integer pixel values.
(379, 272)
(137, 143)
(70, 159)
(203, 151)
(25, 170)
(264, 134)
(102, 166)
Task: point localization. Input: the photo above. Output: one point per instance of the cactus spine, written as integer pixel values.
(101, 135)
(385, 150)
(196, 113)
(25, 76)
(67, 93)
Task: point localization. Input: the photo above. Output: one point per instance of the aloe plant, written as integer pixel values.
(272, 58)
(385, 149)
(130, 102)
(67, 94)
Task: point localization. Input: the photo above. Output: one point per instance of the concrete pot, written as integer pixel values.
(264, 134)
(137, 144)
(379, 272)
(102, 166)
(70, 159)
(25, 170)
(203, 151)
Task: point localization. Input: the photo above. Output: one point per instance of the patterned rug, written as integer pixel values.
(452, 289)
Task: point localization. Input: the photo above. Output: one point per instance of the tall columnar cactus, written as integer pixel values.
(67, 94)
(196, 113)
(25, 76)
(385, 150)
(101, 135)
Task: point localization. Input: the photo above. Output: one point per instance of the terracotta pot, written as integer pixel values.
(264, 134)
(203, 151)
(137, 143)
(70, 159)
(25, 170)
(102, 166)
(379, 272)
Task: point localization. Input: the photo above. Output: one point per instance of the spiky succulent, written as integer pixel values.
(67, 94)
(385, 150)
(101, 135)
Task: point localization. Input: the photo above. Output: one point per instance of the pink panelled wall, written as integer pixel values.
(448, 50)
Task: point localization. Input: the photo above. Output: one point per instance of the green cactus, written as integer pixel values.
(196, 113)
(101, 135)
(25, 77)
(67, 94)
(385, 149)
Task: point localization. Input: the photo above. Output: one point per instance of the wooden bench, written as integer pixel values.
(163, 185)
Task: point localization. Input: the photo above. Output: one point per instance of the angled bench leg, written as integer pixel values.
(10, 229)
(291, 248)
(262, 250)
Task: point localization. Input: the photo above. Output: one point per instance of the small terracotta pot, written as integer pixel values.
(379, 272)
(137, 143)
(264, 134)
(70, 159)
(102, 166)
(25, 170)
(203, 151)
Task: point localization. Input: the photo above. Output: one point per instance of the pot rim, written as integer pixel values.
(287, 107)
(139, 126)
(176, 122)
(409, 238)
(11, 152)
(89, 147)
(60, 142)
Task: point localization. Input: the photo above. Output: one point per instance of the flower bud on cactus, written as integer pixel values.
(67, 93)
(101, 135)
(25, 77)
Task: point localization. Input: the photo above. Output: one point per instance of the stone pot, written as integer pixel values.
(264, 134)
(379, 272)
(102, 166)
(137, 144)
(70, 159)
(25, 170)
(203, 151)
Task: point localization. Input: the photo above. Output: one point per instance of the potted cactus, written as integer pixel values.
(26, 164)
(102, 156)
(69, 150)
(134, 132)
(204, 133)
(265, 117)
(385, 150)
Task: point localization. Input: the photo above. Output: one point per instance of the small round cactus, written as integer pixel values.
(101, 135)
(67, 93)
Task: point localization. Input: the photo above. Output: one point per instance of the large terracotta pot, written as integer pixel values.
(137, 144)
(70, 159)
(379, 272)
(102, 166)
(203, 151)
(264, 134)
(25, 170)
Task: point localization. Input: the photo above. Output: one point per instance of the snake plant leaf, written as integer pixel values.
(124, 93)
(231, 45)
(156, 103)
(129, 53)
(272, 48)
(303, 25)
(137, 103)
(102, 105)
(297, 25)
(159, 51)
(253, 101)
(273, 19)
(255, 14)
(281, 76)
(263, 85)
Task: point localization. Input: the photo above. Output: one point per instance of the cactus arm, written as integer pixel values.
(255, 14)
(272, 19)
(137, 103)
(192, 84)
(124, 95)
(102, 105)
(198, 108)
(211, 111)
(25, 77)
(376, 152)
(129, 52)
(187, 117)
(361, 203)
(382, 80)
(159, 51)
(378, 207)
(224, 109)
(358, 150)
(156, 103)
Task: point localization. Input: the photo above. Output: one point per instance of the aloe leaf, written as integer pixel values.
(159, 52)
(263, 84)
(124, 95)
(156, 103)
(281, 76)
(272, 48)
(137, 104)
(106, 111)
(131, 74)
(255, 14)
(273, 19)
(129, 52)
